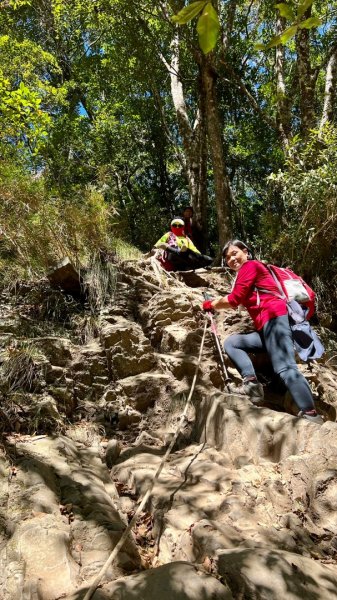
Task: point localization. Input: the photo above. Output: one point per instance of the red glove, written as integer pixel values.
(207, 306)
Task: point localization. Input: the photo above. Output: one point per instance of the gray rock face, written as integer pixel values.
(112, 452)
(89, 371)
(129, 352)
(271, 575)
(56, 350)
(245, 506)
(178, 580)
(62, 518)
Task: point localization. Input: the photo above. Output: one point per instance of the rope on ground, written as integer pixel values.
(133, 521)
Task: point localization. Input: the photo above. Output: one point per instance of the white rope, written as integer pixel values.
(132, 523)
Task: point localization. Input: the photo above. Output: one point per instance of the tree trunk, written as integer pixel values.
(223, 194)
(228, 27)
(306, 80)
(330, 90)
(283, 112)
(193, 138)
(200, 203)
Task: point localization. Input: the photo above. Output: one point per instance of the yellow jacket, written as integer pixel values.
(180, 240)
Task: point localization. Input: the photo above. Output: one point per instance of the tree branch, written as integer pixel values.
(270, 122)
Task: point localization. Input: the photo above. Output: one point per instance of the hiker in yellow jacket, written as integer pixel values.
(180, 254)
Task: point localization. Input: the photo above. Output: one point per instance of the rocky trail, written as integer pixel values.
(246, 504)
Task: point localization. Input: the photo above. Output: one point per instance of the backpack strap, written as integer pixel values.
(281, 295)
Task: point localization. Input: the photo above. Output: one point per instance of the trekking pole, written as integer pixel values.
(217, 343)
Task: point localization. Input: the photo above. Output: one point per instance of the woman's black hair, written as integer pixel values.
(237, 243)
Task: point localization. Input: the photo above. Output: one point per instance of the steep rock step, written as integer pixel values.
(178, 581)
(61, 519)
(129, 398)
(271, 574)
(203, 503)
(251, 434)
(128, 351)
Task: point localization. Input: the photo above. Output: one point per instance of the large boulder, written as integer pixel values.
(56, 349)
(175, 581)
(265, 574)
(143, 390)
(128, 351)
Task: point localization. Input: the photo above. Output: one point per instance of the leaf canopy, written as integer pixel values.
(187, 13)
(208, 28)
(286, 11)
(303, 7)
(288, 34)
(310, 22)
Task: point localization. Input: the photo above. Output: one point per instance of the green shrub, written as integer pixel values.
(40, 229)
(304, 233)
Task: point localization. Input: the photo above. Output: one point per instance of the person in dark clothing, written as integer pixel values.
(192, 230)
(272, 335)
(187, 216)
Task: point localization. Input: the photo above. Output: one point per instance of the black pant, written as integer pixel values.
(276, 339)
(187, 260)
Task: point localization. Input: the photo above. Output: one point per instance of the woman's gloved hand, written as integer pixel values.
(207, 306)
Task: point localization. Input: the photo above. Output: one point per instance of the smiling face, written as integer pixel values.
(235, 257)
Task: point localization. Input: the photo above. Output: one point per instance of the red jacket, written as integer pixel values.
(254, 274)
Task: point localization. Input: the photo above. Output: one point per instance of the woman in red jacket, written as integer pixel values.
(272, 335)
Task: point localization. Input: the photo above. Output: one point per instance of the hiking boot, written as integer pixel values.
(311, 415)
(252, 389)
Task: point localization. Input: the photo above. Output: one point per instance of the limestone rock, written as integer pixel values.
(89, 371)
(247, 495)
(56, 349)
(128, 350)
(112, 452)
(271, 574)
(175, 337)
(44, 551)
(142, 390)
(178, 580)
(127, 416)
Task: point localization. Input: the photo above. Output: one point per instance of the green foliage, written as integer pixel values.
(310, 23)
(208, 27)
(24, 94)
(287, 12)
(39, 229)
(86, 110)
(125, 251)
(188, 13)
(208, 24)
(306, 233)
(303, 7)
